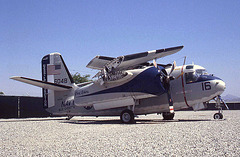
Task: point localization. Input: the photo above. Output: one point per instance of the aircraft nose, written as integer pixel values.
(220, 85)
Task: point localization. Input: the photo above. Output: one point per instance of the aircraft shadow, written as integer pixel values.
(138, 121)
(114, 121)
(30, 120)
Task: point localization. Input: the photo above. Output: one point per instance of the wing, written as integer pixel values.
(124, 62)
(139, 58)
(99, 62)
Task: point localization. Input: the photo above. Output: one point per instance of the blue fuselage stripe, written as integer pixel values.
(147, 82)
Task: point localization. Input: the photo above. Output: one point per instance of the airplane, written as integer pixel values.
(127, 86)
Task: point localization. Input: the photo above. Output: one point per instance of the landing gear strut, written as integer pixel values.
(218, 105)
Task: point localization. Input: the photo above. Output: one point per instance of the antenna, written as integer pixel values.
(184, 60)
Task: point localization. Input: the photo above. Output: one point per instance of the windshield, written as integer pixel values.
(201, 71)
(191, 77)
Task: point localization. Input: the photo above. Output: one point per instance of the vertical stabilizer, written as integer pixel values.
(54, 70)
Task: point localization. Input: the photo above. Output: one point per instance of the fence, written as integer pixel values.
(25, 107)
(22, 107)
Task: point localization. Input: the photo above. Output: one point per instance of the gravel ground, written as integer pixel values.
(190, 134)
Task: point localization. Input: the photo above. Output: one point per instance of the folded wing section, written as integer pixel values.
(46, 85)
(139, 58)
(99, 62)
(123, 62)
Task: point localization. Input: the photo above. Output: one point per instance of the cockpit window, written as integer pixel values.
(191, 77)
(201, 71)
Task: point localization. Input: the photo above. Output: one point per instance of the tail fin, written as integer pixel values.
(54, 70)
(57, 83)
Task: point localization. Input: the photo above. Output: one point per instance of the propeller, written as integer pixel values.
(166, 81)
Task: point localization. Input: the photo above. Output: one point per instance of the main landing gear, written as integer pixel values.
(69, 117)
(127, 116)
(168, 115)
(218, 105)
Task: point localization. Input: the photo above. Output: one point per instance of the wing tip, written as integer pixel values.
(14, 77)
(178, 47)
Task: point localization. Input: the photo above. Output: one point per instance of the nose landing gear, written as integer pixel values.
(218, 105)
(218, 116)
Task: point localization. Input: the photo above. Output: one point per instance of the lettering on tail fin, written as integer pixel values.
(45, 62)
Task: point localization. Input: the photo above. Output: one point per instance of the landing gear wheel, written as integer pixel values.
(168, 115)
(127, 116)
(218, 116)
(69, 117)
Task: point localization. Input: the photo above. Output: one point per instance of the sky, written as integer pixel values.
(82, 29)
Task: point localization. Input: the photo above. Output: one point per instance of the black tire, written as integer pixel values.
(218, 116)
(127, 116)
(168, 115)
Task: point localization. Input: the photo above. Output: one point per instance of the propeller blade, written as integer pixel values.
(184, 60)
(155, 63)
(180, 75)
(163, 74)
(182, 68)
(175, 64)
(170, 101)
(173, 67)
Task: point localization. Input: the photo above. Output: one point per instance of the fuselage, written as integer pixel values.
(143, 88)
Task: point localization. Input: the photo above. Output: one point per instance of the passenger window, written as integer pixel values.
(190, 77)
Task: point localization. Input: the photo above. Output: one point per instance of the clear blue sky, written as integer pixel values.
(82, 29)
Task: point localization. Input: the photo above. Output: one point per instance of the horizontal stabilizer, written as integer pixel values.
(38, 83)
